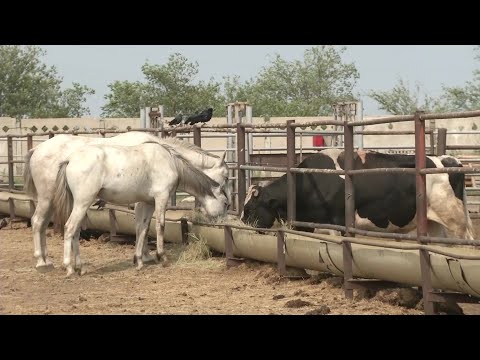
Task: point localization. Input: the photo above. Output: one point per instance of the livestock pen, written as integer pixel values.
(347, 256)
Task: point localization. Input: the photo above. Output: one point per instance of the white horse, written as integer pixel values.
(42, 164)
(147, 173)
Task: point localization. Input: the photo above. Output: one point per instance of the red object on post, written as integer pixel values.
(318, 140)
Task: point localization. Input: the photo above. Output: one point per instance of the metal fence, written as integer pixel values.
(343, 118)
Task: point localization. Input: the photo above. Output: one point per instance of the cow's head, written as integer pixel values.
(258, 210)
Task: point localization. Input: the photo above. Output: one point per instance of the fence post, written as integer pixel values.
(230, 143)
(241, 179)
(231, 261)
(11, 208)
(421, 202)
(113, 223)
(29, 142)
(249, 120)
(11, 181)
(291, 187)
(349, 201)
(281, 264)
(184, 230)
(442, 142)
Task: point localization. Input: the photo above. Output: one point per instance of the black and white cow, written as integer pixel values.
(383, 202)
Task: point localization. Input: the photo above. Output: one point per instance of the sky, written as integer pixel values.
(380, 66)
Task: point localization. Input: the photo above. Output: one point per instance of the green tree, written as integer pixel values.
(171, 84)
(29, 88)
(301, 88)
(464, 98)
(401, 100)
(126, 98)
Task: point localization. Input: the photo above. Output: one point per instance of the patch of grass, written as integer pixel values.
(197, 253)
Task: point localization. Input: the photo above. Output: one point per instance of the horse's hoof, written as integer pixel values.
(161, 257)
(70, 272)
(139, 266)
(82, 271)
(166, 263)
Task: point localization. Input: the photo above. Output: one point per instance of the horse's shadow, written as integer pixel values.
(113, 267)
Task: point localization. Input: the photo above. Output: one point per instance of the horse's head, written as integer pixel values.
(216, 205)
(219, 173)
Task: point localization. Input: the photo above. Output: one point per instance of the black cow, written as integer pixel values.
(383, 202)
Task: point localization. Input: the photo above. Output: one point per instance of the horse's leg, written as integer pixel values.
(40, 219)
(160, 208)
(76, 252)
(72, 227)
(143, 215)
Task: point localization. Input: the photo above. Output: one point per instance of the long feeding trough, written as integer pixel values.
(452, 268)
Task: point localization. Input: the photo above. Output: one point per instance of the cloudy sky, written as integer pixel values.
(379, 65)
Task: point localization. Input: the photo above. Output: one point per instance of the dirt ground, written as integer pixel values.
(112, 285)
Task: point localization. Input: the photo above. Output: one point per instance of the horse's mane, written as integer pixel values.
(206, 156)
(189, 146)
(197, 180)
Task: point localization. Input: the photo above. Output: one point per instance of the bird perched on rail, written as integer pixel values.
(179, 118)
(202, 117)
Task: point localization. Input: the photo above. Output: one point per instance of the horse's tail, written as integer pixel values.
(28, 184)
(63, 199)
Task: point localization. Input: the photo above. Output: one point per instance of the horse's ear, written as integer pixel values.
(224, 155)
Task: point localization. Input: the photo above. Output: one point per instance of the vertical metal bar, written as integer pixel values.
(11, 181)
(184, 230)
(241, 180)
(249, 120)
(281, 264)
(197, 140)
(238, 119)
(291, 183)
(142, 118)
(11, 206)
(349, 203)
(431, 132)
(113, 223)
(197, 136)
(421, 202)
(228, 244)
(230, 141)
(147, 123)
(441, 142)
(29, 142)
(358, 141)
(301, 147)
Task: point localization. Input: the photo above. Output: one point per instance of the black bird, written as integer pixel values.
(203, 117)
(177, 119)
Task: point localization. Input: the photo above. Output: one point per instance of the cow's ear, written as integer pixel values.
(255, 193)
